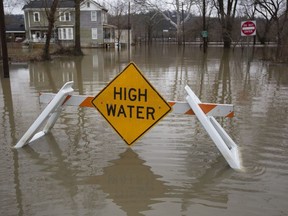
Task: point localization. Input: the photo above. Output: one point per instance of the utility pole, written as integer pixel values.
(204, 36)
(129, 27)
(183, 35)
(3, 41)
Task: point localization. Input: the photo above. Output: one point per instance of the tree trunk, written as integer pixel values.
(227, 31)
(149, 33)
(227, 37)
(279, 41)
(46, 51)
(51, 20)
(227, 15)
(77, 46)
(179, 35)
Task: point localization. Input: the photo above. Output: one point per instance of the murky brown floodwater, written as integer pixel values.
(84, 168)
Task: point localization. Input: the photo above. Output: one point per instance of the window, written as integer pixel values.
(65, 33)
(94, 33)
(65, 16)
(36, 16)
(88, 4)
(93, 15)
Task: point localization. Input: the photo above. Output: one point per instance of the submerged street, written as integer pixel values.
(83, 167)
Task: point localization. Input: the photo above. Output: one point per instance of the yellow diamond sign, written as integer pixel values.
(131, 104)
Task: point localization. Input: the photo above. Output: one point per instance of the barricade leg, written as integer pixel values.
(49, 125)
(49, 114)
(223, 141)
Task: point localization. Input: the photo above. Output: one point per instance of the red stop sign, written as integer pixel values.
(248, 28)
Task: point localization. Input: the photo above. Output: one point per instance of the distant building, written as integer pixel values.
(123, 37)
(94, 29)
(15, 29)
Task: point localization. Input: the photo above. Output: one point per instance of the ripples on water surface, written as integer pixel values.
(84, 168)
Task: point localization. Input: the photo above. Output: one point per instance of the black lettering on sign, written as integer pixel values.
(130, 107)
(150, 112)
(131, 94)
(119, 93)
(140, 112)
(111, 109)
(130, 111)
(142, 93)
(121, 111)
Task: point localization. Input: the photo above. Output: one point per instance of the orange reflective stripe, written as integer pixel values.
(207, 107)
(230, 115)
(224, 110)
(66, 99)
(87, 102)
(190, 112)
(171, 103)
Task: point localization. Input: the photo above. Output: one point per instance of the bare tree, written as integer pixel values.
(274, 11)
(51, 9)
(13, 6)
(151, 19)
(118, 10)
(50, 13)
(226, 13)
(172, 11)
(77, 46)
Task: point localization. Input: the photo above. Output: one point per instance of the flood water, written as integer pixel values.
(83, 167)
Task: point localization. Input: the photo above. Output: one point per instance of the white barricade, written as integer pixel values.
(203, 111)
(49, 114)
(178, 107)
(224, 143)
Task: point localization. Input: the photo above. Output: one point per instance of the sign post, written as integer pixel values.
(130, 104)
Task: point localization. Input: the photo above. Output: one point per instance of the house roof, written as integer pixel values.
(48, 3)
(95, 3)
(62, 4)
(14, 23)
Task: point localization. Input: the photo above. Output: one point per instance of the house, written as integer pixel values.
(94, 28)
(123, 37)
(15, 29)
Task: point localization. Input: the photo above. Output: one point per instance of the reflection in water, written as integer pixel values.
(222, 84)
(207, 182)
(82, 168)
(59, 168)
(50, 76)
(130, 183)
(46, 175)
(8, 111)
(9, 136)
(135, 188)
(78, 67)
